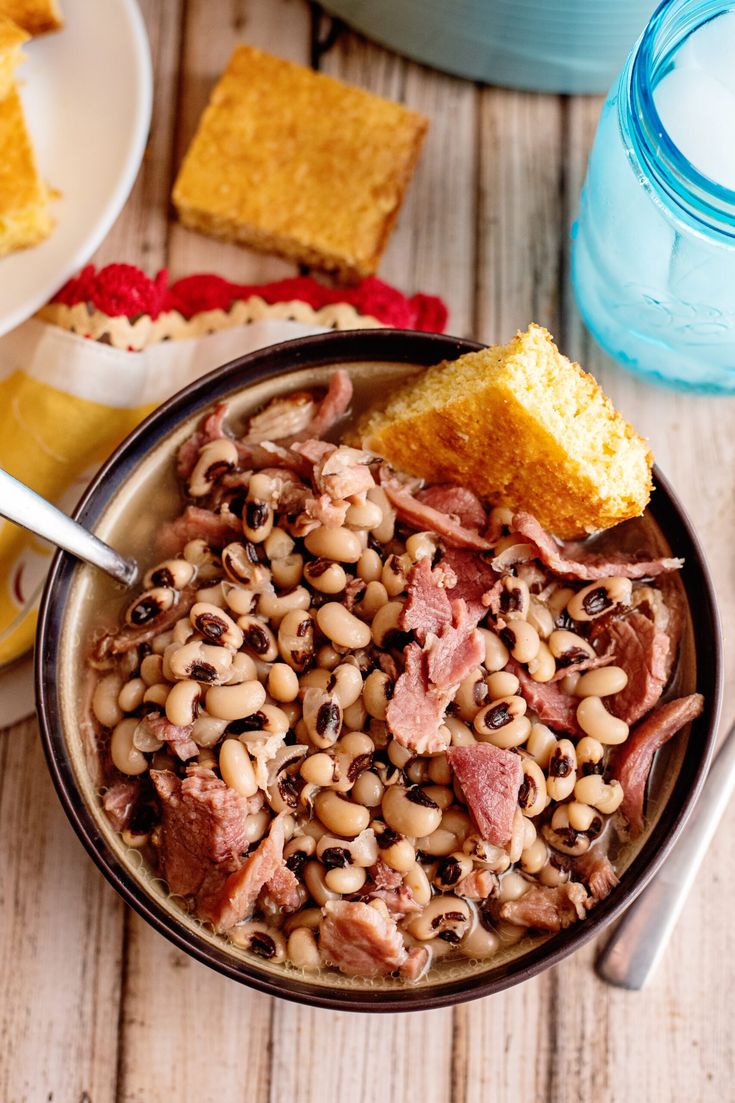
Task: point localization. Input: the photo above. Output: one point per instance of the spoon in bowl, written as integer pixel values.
(20, 504)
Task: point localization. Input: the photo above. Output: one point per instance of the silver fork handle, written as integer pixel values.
(22, 505)
(638, 942)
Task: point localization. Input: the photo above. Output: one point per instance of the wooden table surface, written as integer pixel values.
(95, 1005)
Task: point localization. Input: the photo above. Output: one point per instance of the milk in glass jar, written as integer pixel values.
(654, 246)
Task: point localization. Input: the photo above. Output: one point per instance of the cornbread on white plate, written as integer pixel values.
(523, 426)
(25, 218)
(12, 38)
(34, 16)
(289, 161)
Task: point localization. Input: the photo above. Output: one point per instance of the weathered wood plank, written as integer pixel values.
(60, 942)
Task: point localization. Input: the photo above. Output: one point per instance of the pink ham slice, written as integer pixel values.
(547, 909)
(388, 885)
(424, 518)
(458, 502)
(217, 529)
(644, 654)
(455, 651)
(203, 824)
(225, 904)
(282, 890)
(427, 608)
(359, 941)
(477, 885)
(574, 561)
(177, 736)
(490, 779)
(119, 802)
(553, 707)
(597, 872)
(415, 713)
(416, 963)
(631, 761)
(475, 577)
(332, 407)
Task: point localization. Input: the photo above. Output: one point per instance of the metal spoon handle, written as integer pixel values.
(22, 505)
(638, 942)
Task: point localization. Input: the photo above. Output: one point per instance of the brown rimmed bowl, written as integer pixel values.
(136, 490)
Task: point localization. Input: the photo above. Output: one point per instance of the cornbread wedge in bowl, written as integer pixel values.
(420, 775)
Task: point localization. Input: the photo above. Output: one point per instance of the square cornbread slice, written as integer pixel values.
(522, 426)
(24, 198)
(12, 38)
(288, 161)
(34, 16)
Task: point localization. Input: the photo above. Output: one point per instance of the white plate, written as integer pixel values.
(87, 90)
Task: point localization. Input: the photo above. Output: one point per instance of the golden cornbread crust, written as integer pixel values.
(24, 214)
(289, 161)
(34, 16)
(521, 426)
(12, 38)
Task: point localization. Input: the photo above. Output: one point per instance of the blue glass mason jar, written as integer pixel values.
(653, 260)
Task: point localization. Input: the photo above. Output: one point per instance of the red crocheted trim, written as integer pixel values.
(124, 290)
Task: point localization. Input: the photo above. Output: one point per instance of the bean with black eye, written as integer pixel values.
(515, 598)
(446, 916)
(322, 715)
(201, 661)
(532, 794)
(216, 458)
(325, 575)
(258, 638)
(172, 573)
(200, 555)
(449, 871)
(410, 811)
(150, 605)
(562, 770)
(260, 939)
(241, 564)
(599, 597)
(257, 520)
(472, 694)
(296, 639)
(569, 649)
(215, 625)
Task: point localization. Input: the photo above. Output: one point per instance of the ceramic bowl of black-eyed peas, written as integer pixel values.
(366, 862)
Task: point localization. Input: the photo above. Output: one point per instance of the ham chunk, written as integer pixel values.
(477, 885)
(457, 501)
(424, 518)
(631, 761)
(455, 651)
(119, 803)
(229, 902)
(177, 736)
(490, 779)
(475, 577)
(332, 407)
(573, 560)
(414, 714)
(217, 529)
(553, 706)
(547, 909)
(359, 941)
(203, 824)
(427, 608)
(282, 890)
(643, 652)
(597, 872)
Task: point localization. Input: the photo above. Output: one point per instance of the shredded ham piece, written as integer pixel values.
(490, 779)
(359, 941)
(423, 517)
(230, 902)
(458, 502)
(643, 653)
(427, 608)
(547, 909)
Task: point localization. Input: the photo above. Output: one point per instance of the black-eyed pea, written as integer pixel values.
(512, 887)
(236, 768)
(238, 599)
(418, 884)
(422, 545)
(364, 515)
(318, 769)
(172, 573)
(594, 719)
(562, 770)
(258, 637)
(216, 458)
(355, 716)
(385, 622)
(410, 811)
(471, 696)
(543, 667)
(377, 692)
(515, 598)
(145, 738)
(257, 824)
(485, 854)
(212, 595)
(182, 631)
(540, 744)
(556, 871)
(535, 856)
(296, 639)
(215, 625)
(599, 597)
(399, 755)
(260, 939)
(105, 700)
(315, 881)
(325, 575)
(316, 678)
(278, 544)
(338, 544)
(368, 789)
(128, 663)
(124, 754)
(569, 649)
(602, 682)
(532, 793)
(369, 566)
(461, 735)
(200, 555)
(496, 653)
(445, 916)
(557, 602)
(517, 836)
(342, 627)
(606, 797)
(374, 598)
(302, 950)
(257, 519)
(322, 715)
(417, 771)
(393, 575)
(160, 642)
(149, 606)
(308, 919)
(243, 669)
(157, 694)
(501, 520)
(334, 852)
(440, 772)
(562, 836)
(340, 815)
(151, 669)
(327, 657)
(273, 607)
(521, 639)
(207, 731)
(383, 532)
(512, 732)
(450, 870)
(479, 943)
(501, 684)
(541, 618)
(203, 662)
(345, 881)
(582, 817)
(131, 695)
(346, 684)
(510, 553)
(233, 702)
(288, 572)
(182, 703)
